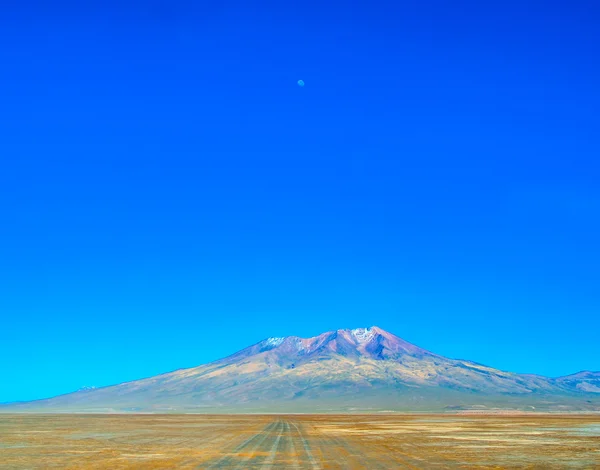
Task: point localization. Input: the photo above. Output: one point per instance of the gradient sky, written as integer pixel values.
(169, 194)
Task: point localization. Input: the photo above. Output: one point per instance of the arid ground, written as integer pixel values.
(299, 441)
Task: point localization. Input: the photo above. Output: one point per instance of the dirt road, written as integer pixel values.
(298, 441)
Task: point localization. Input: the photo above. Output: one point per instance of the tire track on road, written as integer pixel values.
(268, 463)
(295, 462)
(207, 443)
(255, 441)
(306, 446)
(243, 463)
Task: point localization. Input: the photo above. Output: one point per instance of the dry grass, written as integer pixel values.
(299, 441)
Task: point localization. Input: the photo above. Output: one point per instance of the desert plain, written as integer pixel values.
(298, 441)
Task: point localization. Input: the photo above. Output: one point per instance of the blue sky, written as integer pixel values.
(169, 194)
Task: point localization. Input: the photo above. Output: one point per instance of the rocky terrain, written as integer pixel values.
(365, 369)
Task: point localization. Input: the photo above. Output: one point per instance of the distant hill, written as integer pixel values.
(365, 369)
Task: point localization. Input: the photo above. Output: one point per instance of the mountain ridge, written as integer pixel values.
(364, 368)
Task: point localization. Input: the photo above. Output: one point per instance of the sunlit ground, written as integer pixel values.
(299, 441)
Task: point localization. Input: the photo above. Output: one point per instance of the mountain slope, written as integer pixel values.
(366, 368)
(585, 381)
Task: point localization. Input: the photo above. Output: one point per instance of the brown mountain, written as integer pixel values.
(360, 369)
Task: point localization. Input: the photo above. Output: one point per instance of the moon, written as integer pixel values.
(300, 82)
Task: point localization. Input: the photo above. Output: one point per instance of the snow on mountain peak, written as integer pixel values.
(363, 335)
(274, 341)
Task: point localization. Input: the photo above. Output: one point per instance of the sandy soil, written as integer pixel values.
(299, 441)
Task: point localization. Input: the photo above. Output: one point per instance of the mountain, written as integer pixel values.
(360, 369)
(585, 381)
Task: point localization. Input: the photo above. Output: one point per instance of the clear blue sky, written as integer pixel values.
(169, 194)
